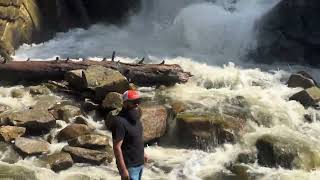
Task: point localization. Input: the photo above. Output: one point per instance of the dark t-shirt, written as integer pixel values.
(127, 127)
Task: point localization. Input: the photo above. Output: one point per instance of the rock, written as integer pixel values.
(65, 112)
(307, 97)
(88, 106)
(59, 161)
(207, 130)
(39, 90)
(274, 151)
(242, 172)
(35, 120)
(289, 32)
(112, 101)
(90, 141)
(82, 155)
(45, 102)
(28, 146)
(101, 80)
(73, 131)
(178, 107)
(298, 80)
(17, 93)
(10, 156)
(9, 133)
(154, 122)
(82, 120)
(75, 80)
(246, 158)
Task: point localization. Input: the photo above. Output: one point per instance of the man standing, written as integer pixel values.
(127, 135)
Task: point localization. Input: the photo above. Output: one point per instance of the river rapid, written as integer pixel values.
(210, 39)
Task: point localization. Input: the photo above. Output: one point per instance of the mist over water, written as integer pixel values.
(210, 39)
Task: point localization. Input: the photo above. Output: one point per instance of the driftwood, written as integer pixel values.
(140, 74)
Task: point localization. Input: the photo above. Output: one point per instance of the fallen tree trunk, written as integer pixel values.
(140, 74)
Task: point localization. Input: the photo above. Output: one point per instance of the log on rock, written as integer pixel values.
(140, 74)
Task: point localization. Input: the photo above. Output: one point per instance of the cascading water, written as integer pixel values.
(191, 33)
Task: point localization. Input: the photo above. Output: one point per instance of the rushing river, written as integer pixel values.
(210, 39)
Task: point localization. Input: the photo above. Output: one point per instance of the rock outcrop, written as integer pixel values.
(290, 32)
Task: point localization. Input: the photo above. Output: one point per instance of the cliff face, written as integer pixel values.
(27, 21)
(19, 21)
(291, 32)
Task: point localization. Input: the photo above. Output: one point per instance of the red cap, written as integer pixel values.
(131, 95)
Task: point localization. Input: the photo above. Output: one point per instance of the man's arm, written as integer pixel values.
(120, 160)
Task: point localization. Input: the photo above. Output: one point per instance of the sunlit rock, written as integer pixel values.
(39, 90)
(28, 146)
(9, 133)
(65, 112)
(112, 101)
(90, 141)
(307, 97)
(154, 122)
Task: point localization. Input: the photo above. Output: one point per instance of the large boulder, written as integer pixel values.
(9, 133)
(90, 141)
(27, 146)
(58, 161)
(307, 97)
(39, 90)
(290, 32)
(207, 130)
(300, 80)
(82, 155)
(99, 79)
(154, 121)
(289, 153)
(73, 131)
(35, 120)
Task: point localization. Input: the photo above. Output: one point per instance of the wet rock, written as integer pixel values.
(73, 131)
(307, 97)
(242, 172)
(28, 146)
(101, 80)
(10, 155)
(65, 112)
(82, 155)
(132, 86)
(8, 171)
(154, 122)
(39, 90)
(88, 106)
(17, 93)
(90, 141)
(207, 130)
(299, 80)
(246, 158)
(112, 101)
(35, 120)
(59, 161)
(178, 107)
(45, 102)
(9, 133)
(289, 153)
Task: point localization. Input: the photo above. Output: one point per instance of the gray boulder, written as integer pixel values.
(9, 133)
(65, 112)
(82, 155)
(39, 90)
(27, 146)
(112, 101)
(307, 97)
(73, 131)
(59, 161)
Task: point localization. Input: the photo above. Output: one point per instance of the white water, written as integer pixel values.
(201, 36)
